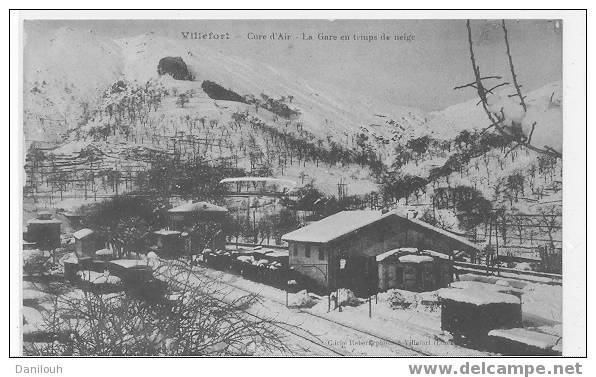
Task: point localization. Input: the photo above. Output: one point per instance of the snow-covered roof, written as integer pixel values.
(387, 254)
(98, 277)
(245, 258)
(436, 254)
(44, 221)
(164, 232)
(129, 263)
(413, 258)
(478, 285)
(345, 222)
(278, 254)
(334, 226)
(197, 207)
(259, 179)
(525, 336)
(73, 147)
(263, 251)
(104, 252)
(83, 233)
(477, 296)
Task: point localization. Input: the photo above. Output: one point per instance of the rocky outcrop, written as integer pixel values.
(175, 67)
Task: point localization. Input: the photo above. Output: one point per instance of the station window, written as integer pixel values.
(307, 251)
(321, 254)
(294, 250)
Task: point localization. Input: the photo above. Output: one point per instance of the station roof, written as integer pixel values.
(197, 207)
(334, 226)
(347, 222)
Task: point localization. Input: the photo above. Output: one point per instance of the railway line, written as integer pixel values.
(528, 276)
(400, 348)
(360, 331)
(292, 331)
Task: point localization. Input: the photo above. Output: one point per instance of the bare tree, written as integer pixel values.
(195, 316)
(497, 120)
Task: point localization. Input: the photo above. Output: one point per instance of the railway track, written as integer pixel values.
(522, 275)
(335, 323)
(286, 328)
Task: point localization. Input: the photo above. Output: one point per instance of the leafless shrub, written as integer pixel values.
(196, 316)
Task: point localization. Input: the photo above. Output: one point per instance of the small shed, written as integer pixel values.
(86, 243)
(190, 215)
(44, 231)
(131, 270)
(280, 256)
(187, 215)
(473, 313)
(478, 285)
(104, 254)
(407, 268)
(169, 241)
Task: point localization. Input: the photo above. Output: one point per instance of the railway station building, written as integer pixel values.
(340, 251)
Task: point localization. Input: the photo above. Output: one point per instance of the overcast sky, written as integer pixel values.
(420, 73)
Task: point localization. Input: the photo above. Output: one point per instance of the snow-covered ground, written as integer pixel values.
(417, 329)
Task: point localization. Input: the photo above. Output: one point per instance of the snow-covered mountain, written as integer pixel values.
(63, 71)
(68, 72)
(74, 66)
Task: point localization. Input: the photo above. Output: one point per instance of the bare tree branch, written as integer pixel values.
(512, 68)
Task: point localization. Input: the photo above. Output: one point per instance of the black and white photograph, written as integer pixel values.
(292, 187)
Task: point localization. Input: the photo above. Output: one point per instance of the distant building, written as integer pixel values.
(87, 242)
(246, 186)
(187, 215)
(341, 250)
(169, 241)
(190, 215)
(44, 231)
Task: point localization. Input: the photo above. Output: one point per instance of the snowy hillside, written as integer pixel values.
(64, 70)
(324, 110)
(260, 120)
(544, 108)
(62, 73)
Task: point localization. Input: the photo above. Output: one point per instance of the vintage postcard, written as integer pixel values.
(293, 187)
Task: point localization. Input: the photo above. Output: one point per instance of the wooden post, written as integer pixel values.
(497, 247)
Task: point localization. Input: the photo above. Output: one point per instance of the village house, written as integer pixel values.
(169, 241)
(44, 231)
(87, 242)
(341, 250)
(187, 216)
